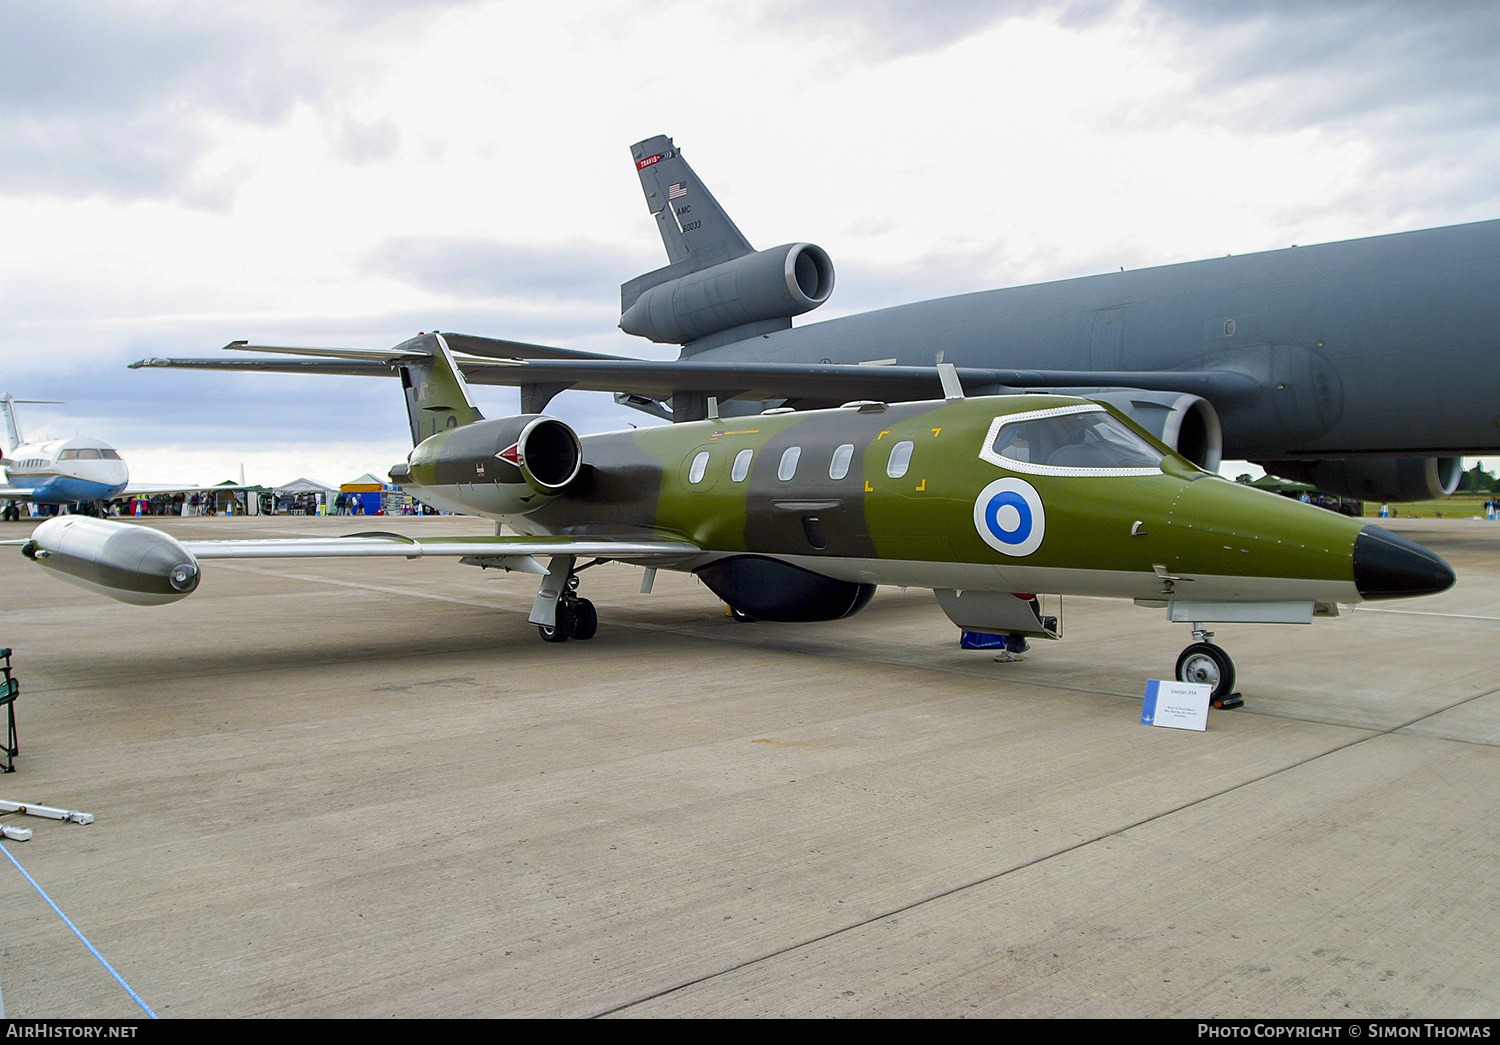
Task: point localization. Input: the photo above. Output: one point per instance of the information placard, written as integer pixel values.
(1180, 705)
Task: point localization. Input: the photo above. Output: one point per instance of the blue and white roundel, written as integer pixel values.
(1009, 516)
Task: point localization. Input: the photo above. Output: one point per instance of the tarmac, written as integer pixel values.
(367, 789)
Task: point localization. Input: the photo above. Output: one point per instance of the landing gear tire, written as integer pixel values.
(1205, 664)
(742, 616)
(563, 630)
(585, 619)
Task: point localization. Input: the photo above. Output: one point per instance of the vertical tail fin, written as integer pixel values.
(694, 228)
(437, 396)
(12, 426)
(7, 402)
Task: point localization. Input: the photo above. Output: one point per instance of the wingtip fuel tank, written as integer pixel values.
(133, 564)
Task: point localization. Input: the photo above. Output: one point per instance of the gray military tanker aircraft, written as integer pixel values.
(796, 516)
(1368, 368)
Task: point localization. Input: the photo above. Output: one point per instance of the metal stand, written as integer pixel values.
(9, 690)
(51, 813)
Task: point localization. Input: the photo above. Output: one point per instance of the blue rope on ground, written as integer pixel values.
(70, 925)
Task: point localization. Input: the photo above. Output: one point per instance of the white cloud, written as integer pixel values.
(287, 154)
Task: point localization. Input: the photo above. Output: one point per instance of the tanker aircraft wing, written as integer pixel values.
(1150, 397)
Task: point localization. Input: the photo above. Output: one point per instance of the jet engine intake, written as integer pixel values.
(508, 465)
(1187, 423)
(769, 589)
(133, 564)
(1397, 479)
(773, 284)
(548, 454)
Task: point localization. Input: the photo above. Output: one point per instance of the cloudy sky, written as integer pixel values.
(175, 175)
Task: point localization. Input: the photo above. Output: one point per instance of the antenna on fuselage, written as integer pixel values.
(953, 388)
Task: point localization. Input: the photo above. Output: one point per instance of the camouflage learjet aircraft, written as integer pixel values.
(798, 516)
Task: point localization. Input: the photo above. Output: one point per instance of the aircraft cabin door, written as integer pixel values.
(1107, 349)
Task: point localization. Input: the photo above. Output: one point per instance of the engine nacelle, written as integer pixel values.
(133, 564)
(772, 590)
(1187, 423)
(1397, 479)
(506, 466)
(778, 283)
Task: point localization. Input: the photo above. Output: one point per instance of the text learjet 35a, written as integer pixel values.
(797, 516)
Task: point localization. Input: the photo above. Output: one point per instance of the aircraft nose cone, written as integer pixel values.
(1388, 566)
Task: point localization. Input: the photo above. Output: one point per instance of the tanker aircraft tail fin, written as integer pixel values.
(694, 228)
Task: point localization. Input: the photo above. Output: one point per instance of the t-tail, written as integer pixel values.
(7, 403)
(12, 426)
(437, 396)
(718, 288)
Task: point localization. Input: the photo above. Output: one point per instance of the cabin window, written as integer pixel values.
(741, 466)
(900, 459)
(788, 466)
(839, 466)
(698, 467)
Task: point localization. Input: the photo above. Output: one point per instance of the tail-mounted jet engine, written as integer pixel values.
(508, 465)
(133, 564)
(774, 284)
(768, 589)
(1398, 479)
(1187, 423)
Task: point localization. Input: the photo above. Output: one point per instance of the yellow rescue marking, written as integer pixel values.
(868, 487)
(922, 486)
(882, 435)
(935, 431)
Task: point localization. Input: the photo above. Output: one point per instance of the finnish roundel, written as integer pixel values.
(1009, 516)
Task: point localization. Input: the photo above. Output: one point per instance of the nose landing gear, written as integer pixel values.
(1206, 664)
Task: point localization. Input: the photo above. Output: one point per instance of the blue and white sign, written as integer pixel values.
(1178, 705)
(1009, 516)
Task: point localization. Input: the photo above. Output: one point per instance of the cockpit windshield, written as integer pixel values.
(1069, 440)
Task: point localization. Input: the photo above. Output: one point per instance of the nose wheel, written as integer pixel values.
(1206, 664)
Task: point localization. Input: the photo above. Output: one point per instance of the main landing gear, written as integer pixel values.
(1206, 664)
(560, 613)
(576, 617)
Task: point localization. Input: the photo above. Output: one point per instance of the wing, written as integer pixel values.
(145, 566)
(799, 383)
(17, 493)
(146, 489)
(392, 545)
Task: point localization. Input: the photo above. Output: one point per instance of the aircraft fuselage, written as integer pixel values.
(1379, 347)
(986, 494)
(67, 471)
